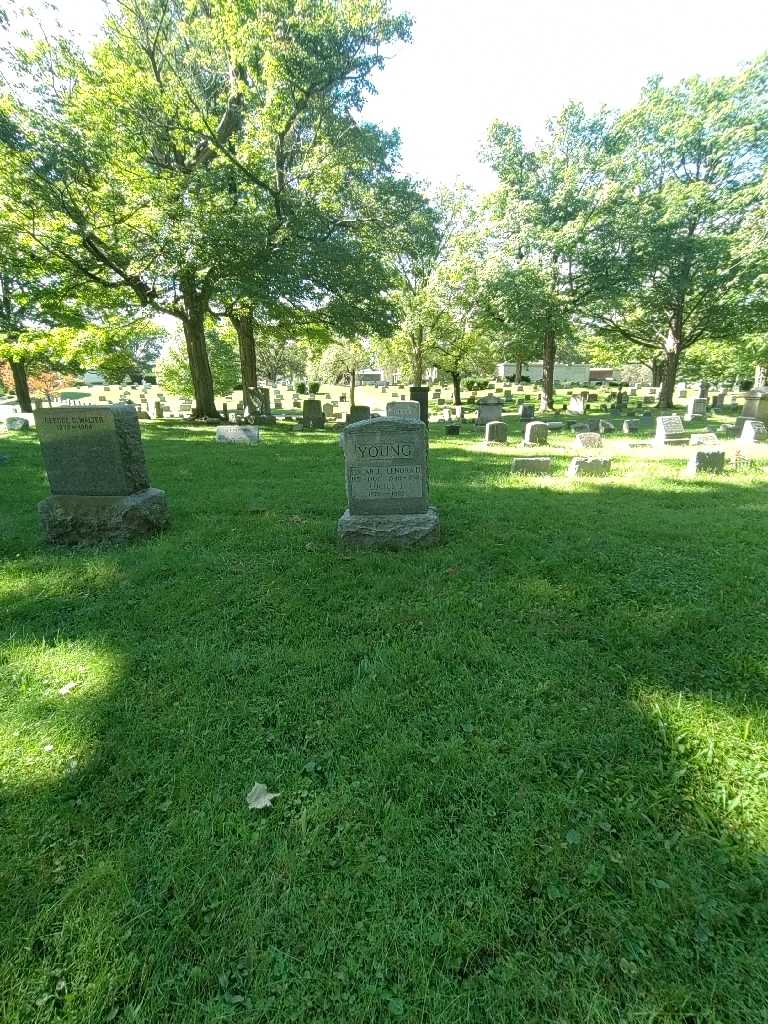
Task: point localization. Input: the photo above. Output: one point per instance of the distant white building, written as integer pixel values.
(577, 372)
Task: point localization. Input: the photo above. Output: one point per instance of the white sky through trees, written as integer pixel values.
(473, 60)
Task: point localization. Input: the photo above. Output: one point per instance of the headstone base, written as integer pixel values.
(77, 519)
(394, 532)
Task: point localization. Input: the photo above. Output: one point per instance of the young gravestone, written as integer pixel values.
(590, 439)
(536, 467)
(99, 484)
(589, 467)
(705, 462)
(387, 485)
(754, 430)
(670, 430)
(237, 435)
(312, 415)
(404, 410)
(496, 432)
(536, 432)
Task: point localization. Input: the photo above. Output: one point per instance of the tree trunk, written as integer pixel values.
(197, 349)
(518, 369)
(671, 362)
(760, 375)
(249, 372)
(548, 371)
(456, 378)
(657, 372)
(352, 389)
(418, 356)
(21, 385)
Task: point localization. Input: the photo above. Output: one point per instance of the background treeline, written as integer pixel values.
(212, 163)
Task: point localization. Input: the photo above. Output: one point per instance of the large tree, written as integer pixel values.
(202, 146)
(541, 210)
(676, 250)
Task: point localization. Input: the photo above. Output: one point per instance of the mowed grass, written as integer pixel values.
(523, 776)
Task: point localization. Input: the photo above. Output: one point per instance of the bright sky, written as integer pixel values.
(473, 60)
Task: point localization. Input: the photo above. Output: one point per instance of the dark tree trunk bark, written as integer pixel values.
(518, 369)
(548, 371)
(352, 389)
(456, 378)
(657, 372)
(21, 385)
(197, 349)
(418, 356)
(671, 362)
(249, 372)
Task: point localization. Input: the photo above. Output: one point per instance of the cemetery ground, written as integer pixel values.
(522, 774)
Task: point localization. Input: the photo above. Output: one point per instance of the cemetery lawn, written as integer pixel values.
(522, 776)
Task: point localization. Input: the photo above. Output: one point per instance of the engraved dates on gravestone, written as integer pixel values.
(92, 450)
(387, 486)
(387, 468)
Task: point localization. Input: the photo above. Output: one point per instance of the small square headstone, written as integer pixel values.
(590, 439)
(536, 433)
(706, 462)
(237, 435)
(496, 432)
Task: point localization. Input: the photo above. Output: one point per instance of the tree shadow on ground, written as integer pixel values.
(519, 773)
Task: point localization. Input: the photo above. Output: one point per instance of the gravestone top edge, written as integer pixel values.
(397, 422)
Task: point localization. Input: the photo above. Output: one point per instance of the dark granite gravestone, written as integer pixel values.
(312, 415)
(421, 395)
(705, 462)
(496, 432)
(100, 489)
(358, 414)
(387, 485)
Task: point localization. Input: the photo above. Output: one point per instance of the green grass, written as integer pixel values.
(523, 775)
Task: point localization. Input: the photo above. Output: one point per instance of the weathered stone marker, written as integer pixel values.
(16, 423)
(99, 484)
(589, 439)
(404, 410)
(312, 416)
(237, 435)
(670, 430)
(496, 432)
(387, 485)
(754, 430)
(489, 410)
(534, 466)
(706, 437)
(589, 467)
(705, 462)
(358, 413)
(536, 433)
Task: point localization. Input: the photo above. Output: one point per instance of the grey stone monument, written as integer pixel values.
(404, 410)
(489, 410)
(536, 432)
(358, 414)
(532, 466)
(526, 411)
(697, 408)
(312, 415)
(754, 430)
(387, 486)
(496, 432)
(100, 489)
(670, 430)
(237, 435)
(589, 467)
(705, 462)
(589, 439)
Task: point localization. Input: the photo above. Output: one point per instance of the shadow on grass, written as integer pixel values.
(521, 774)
